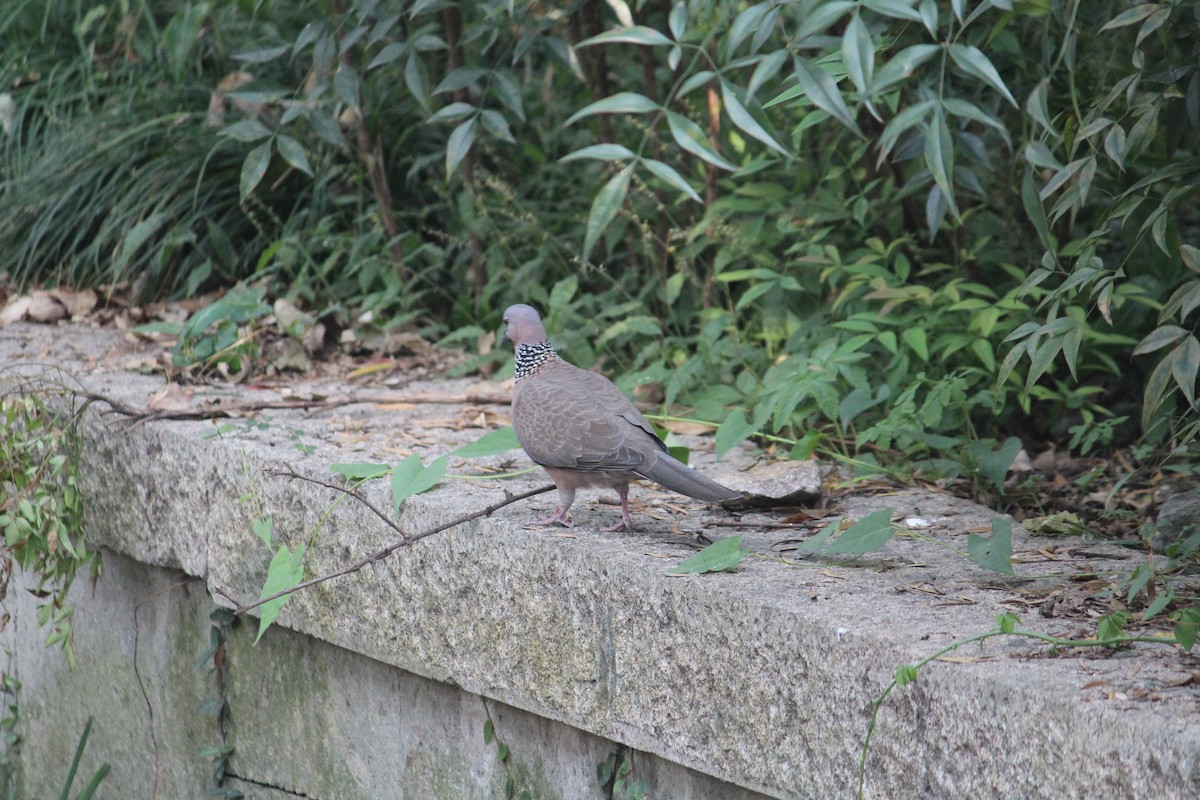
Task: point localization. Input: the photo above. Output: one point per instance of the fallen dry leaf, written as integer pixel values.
(171, 398)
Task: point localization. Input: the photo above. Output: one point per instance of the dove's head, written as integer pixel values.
(523, 325)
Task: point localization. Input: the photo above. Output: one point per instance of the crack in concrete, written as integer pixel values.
(267, 785)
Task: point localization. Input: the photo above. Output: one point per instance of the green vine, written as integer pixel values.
(41, 503)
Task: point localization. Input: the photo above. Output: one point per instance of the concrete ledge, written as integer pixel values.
(761, 679)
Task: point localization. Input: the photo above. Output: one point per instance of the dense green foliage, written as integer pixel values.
(915, 226)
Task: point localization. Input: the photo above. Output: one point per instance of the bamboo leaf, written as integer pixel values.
(939, 156)
(637, 34)
(746, 22)
(620, 103)
(690, 137)
(1185, 366)
(461, 139)
(896, 9)
(254, 168)
(1131, 17)
(903, 65)
(601, 152)
(820, 87)
(668, 174)
(293, 153)
(858, 54)
(1156, 389)
(453, 112)
(972, 60)
(745, 122)
(604, 208)
(247, 130)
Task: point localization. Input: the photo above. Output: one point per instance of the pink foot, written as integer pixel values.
(559, 517)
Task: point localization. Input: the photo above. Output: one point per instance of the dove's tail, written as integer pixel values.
(681, 478)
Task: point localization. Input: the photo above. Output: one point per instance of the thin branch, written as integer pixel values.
(234, 410)
(406, 539)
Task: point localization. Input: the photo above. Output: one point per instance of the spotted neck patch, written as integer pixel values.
(529, 358)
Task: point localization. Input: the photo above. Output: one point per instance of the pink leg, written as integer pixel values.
(624, 524)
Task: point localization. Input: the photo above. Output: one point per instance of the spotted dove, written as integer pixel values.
(583, 431)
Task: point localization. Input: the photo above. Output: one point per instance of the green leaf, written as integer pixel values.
(971, 59)
(820, 87)
(1110, 626)
(867, 535)
(247, 130)
(286, 570)
(719, 556)
(637, 34)
(1156, 389)
(733, 430)
(821, 17)
(1185, 366)
(902, 65)
(690, 137)
(495, 124)
(620, 103)
(939, 157)
(461, 139)
(500, 440)
(293, 153)
(994, 464)
(995, 553)
(668, 174)
(1158, 338)
(1187, 627)
(897, 9)
(604, 208)
(460, 78)
(1035, 211)
(766, 69)
(138, 236)
(255, 167)
(411, 477)
(915, 339)
(1007, 623)
(601, 152)
(489, 731)
(858, 54)
(1131, 16)
(1161, 600)
(677, 20)
(263, 528)
(743, 120)
(239, 305)
(903, 121)
(1036, 107)
(262, 56)
(905, 674)
(345, 87)
(359, 472)
(746, 22)
(452, 112)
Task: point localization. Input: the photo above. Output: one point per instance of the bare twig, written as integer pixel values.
(234, 410)
(406, 539)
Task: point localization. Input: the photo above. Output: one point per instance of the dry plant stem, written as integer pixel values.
(140, 415)
(406, 539)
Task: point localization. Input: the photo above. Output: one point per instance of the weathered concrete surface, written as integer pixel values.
(763, 678)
